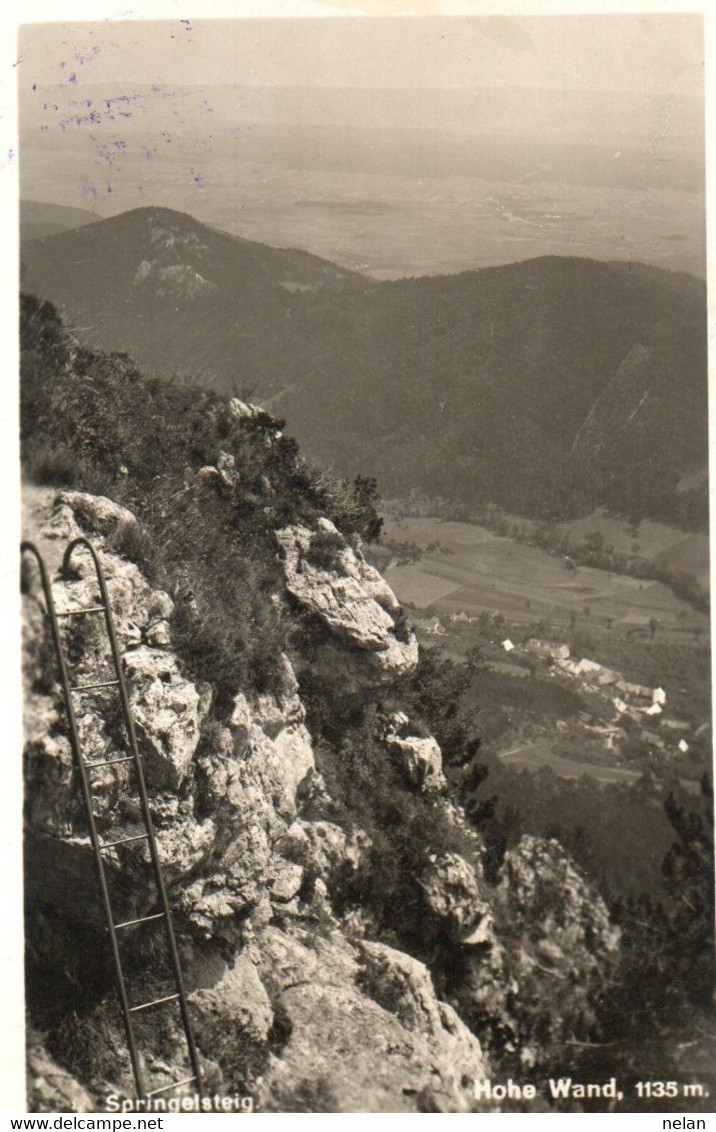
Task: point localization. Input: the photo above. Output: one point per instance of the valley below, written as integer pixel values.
(533, 616)
(396, 227)
(473, 570)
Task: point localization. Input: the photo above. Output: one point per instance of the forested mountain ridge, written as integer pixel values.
(548, 386)
(39, 219)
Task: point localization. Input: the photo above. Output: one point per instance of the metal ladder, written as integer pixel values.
(84, 769)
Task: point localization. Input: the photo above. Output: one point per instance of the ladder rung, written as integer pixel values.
(155, 1002)
(89, 687)
(111, 762)
(141, 920)
(77, 612)
(174, 1085)
(111, 754)
(124, 841)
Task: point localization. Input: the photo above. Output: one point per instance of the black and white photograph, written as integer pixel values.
(362, 565)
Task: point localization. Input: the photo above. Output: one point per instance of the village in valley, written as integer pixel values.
(619, 726)
(580, 670)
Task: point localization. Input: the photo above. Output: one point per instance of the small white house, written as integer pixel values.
(654, 709)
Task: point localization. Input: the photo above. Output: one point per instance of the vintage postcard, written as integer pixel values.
(364, 569)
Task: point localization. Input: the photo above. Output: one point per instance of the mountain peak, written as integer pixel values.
(155, 213)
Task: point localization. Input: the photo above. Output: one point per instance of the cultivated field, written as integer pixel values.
(386, 226)
(679, 549)
(534, 756)
(476, 571)
(466, 223)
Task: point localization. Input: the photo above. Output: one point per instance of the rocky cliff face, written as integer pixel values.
(296, 996)
(359, 642)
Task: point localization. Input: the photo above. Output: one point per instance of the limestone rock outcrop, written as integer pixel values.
(553, 946)
(365, 641)
(452, 893)
(327, 849)
(95, 513)
(168, 711)
(50, 1088)
(368, 1032)
(576, 935)
(227, 997)
(419, 756)
(243, 410)
(245, 773)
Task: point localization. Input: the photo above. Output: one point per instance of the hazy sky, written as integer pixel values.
(331, 109)
(646, 53)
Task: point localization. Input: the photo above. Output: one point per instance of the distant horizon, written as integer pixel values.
(476, 140)
(289, 247)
